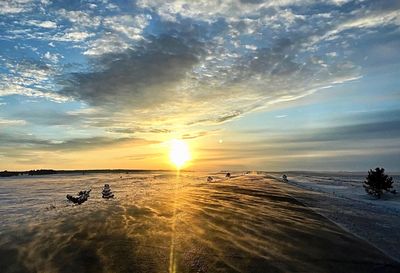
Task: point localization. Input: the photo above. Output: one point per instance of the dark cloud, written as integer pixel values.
(251, 1)
(139, 78)
(95, 142)
(139, 130)
(355, 132)
(194, 136)
(365, 117)
(159, 131)
(31, 142)
(219, 118)
(122, 130)
(383, 125)
(374, 130)
(361, 141)
(227, 117)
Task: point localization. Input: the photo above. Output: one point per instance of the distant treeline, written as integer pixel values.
(8, 174)
(49, 171)
(31, 172)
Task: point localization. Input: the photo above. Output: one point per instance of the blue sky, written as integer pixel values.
(250, 84)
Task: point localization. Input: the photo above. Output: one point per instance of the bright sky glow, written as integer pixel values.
(272, 85)
(179, 153)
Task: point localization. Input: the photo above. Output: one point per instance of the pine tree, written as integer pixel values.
(377, 181)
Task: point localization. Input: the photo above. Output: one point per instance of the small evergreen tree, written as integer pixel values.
(377, 181)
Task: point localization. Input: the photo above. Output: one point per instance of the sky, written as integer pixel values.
(248, 84)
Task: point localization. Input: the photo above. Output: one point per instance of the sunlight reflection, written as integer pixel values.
(172, 258)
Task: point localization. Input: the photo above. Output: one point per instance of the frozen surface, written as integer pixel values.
(342, 198)
(162, 222)
(346, 185)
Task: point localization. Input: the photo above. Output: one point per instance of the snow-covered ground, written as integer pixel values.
(169, 222)
(341, 198)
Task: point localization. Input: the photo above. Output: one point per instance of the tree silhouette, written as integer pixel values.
(377, 181)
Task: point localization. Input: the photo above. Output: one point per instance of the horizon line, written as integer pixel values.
(191, 170)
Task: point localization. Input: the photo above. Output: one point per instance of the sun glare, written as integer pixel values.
(179, 153)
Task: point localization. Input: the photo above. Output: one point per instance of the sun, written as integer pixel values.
(179, 153)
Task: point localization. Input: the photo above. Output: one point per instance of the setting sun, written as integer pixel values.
(179, 153)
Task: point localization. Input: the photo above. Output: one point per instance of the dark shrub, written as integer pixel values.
(377, 181)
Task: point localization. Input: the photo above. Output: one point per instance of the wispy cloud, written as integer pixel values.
(31, 142)
(11, 122)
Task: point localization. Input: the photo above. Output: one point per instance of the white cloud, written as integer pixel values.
(43, 24)
(109, 42)
(251, 47)
(80, 19)
(373, 20)
(74, 36)
(361, 20)
(131, 26)
(15, 89)
(282, 17)
(228, 9)
(29, 79)
(11, 122)
(201, 9)
(15, 6)
(51, 57)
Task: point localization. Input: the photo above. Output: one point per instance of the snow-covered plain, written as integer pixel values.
(342, 198)
(165, 222)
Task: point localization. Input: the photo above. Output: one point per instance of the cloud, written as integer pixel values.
(15, 6)
(29, 78)
(28, 142)
(129, 130)
(80, 19)
(73, 36)
(363, 140)
(363, 20)
(212, 10)
(175, 73)
(196, 135)
(354, 132)
(369, 134)
(118, 34)
(41, 116)
(131, 26)
(108, 43)
(43, 24)
(11, 122)
(231, 10)
(366, 126)
(133, 79)
(51, 57)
